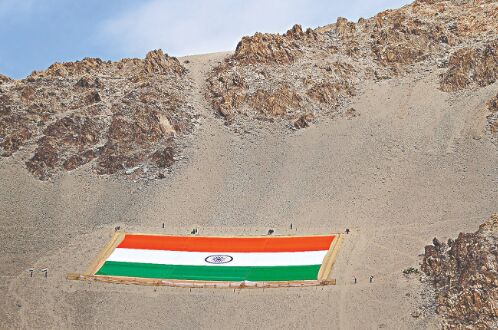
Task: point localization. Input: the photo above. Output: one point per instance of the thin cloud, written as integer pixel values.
(194, 27)
(36, 33)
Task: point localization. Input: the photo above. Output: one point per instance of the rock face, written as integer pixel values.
(4, 79)
(493, 117)
(464, 273)
(471, 66)
(122, 116)
(277, 76)
(318, 70)
(274, 48)
(125, 116)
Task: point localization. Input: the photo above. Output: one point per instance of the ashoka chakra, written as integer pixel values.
(218, 259)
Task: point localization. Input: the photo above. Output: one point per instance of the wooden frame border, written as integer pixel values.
(99, 260)
(195, 283)
(329, 259)
(118, 236)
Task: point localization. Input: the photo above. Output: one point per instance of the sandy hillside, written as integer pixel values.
(415, 162)
(387, 126)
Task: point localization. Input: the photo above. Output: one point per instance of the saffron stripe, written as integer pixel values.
(227, 244)
(208, 273)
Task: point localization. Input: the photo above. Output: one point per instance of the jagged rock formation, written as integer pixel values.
(317, 70)
(464, 273)
(277, 76)
(273, 48)
(123, 115)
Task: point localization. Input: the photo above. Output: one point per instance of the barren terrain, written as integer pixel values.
(398, 161)
(414, 163)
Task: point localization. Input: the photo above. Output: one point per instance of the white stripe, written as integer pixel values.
(198, 258)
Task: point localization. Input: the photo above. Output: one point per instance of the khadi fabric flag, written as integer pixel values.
(289, 258)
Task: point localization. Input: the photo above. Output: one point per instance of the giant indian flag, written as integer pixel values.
(217, 258)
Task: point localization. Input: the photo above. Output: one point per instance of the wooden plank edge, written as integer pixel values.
(329, 259)
(197, 284)
(99, 260)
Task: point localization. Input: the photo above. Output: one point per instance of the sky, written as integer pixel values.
(37, 33)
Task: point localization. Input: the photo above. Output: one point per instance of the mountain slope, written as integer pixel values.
(400, 115)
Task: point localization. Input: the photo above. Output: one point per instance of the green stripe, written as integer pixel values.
(210, 273)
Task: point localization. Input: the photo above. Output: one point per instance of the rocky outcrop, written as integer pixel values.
(322, 68)
(4, 79)
(493, 117)
(155, 62)
(277, 102)
(493, 104)
(303, 121)
(401, 39)
(274, 48)
(274, 76)
(464, 273)
(15, 127)
(285, 97)
(123, 117)
(67, 143)
(471, 67)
